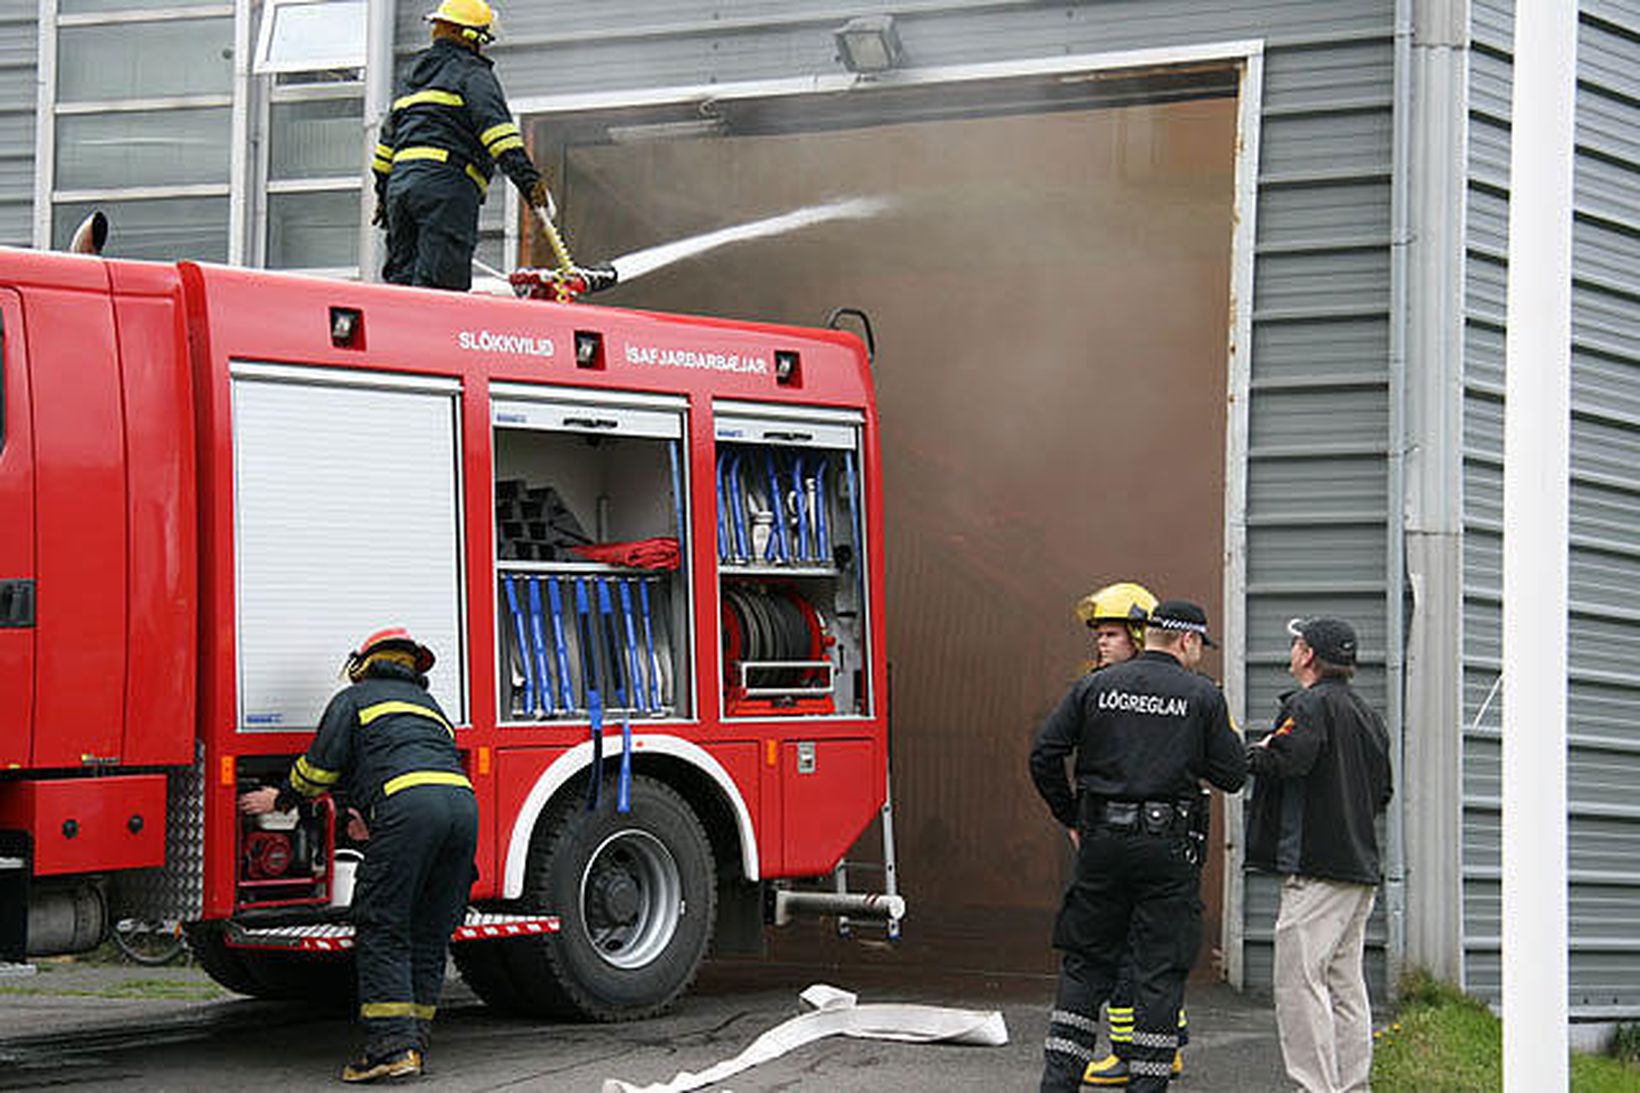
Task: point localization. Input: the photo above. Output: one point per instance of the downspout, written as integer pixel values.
(1427, 813)
(243, 198)
(1395, 893)
(380, 16)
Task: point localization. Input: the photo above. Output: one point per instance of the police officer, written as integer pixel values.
(439, 148)
(1143, 733)
(386, 745)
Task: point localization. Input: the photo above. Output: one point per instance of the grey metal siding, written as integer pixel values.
(1317, 467)
(19, 44)
(1603, 757)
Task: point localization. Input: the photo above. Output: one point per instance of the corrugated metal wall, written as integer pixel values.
(1604, 700)
(1317, 490)
(19, 45)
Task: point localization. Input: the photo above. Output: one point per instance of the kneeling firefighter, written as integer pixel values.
(385, 745)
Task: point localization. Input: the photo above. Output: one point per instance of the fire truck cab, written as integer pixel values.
(645, 548)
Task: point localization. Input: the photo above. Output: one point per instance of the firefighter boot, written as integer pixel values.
(393, 1066)
(1178, 1065)
(1111, 1070)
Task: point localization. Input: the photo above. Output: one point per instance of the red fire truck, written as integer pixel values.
(646, 548)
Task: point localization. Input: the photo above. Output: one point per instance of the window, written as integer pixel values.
(311, 36)
(124, 61)
(316, 138)
(156, 229)
(143, 148)
(313, 230)
(142, 126)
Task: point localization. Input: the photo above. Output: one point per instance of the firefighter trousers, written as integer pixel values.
(1130, 887)
(1119, 1010)
(411, 895)
(432, 226)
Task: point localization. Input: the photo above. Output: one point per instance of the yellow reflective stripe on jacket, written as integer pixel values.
(309, 780)
(425, 778)
(383, 162)
(422, 151)
(496, 132)
(397, 1009)
(501, 138)
(429, 98)
(382, 709)
(441, 155)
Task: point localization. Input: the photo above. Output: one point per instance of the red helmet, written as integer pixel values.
(394, 637)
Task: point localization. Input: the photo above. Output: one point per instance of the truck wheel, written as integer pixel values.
(484, 966)
(220, 962)
(636, 894)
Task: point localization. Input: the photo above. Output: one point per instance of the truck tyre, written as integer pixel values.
(636, 896)
(485, 967)
(220, 962)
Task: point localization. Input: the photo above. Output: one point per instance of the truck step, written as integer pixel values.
(338, 937)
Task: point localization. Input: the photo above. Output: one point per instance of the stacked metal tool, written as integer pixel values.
(532, 523)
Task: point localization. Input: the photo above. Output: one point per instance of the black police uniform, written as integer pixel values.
(439, 148)
(1143, 732)
(385, 745)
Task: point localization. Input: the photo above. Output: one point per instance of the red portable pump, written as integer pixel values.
(646, 548)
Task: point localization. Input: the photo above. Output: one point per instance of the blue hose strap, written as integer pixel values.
(634, 664)
(822, 535)
(623, 788)
(615, 680)
(523, 644)
(538, 636)
(737, 509)
(722, 509)
(586, 631)
(854, 516)
(677, 495)
(777, 533)
(649, 642)
(566, 686)
(801, 508)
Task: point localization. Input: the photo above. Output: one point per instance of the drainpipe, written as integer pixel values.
(1395, 562)
(381, 16)
(1424, 860)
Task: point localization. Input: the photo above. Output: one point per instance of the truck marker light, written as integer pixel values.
(225, 771)
(346, 328)
(771, 754)
(483, 761)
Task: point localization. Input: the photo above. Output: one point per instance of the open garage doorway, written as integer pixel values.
(1047, 265)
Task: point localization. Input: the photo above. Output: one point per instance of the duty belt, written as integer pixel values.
(1160, 817)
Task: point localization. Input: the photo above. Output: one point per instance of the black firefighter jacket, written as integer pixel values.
(453, 111)
(1145, 729)
(382, 734)
(1319, 786)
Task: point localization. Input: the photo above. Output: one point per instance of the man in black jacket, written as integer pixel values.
(387, 747)
(1144, 733)
(1321, 779)
(439, 147)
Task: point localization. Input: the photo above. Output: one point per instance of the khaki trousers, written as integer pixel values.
(1322, 1012)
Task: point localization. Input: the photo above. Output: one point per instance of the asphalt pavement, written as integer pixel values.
(84, 1025)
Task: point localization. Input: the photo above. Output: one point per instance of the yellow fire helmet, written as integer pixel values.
(1125, 601)
(475, 17)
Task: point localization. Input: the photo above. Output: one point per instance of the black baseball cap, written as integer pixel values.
(1181, 615)
(1333, 640)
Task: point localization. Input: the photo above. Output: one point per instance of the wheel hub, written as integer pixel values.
(631, 898)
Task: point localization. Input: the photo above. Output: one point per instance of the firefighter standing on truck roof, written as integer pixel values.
(386, 745)
(1116, 614)
(439, 148)
(1143, 733)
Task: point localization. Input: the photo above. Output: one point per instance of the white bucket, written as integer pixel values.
(344, 868)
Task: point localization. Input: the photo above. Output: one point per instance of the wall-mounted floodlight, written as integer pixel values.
(868, 43)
